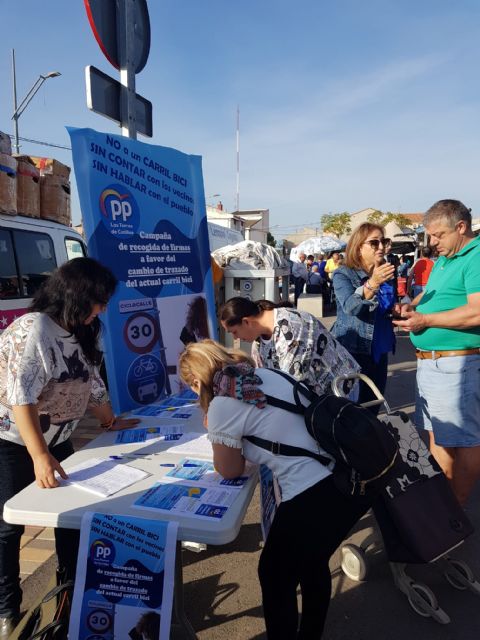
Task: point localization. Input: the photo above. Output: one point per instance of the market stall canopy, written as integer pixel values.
(317, 244)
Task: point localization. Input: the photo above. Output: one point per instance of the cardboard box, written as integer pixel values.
(55, 199)
(51, 167)
(5, 143)
(8, 184)
(28, 187)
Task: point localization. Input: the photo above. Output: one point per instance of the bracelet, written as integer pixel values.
(106, 426)
(369, 286)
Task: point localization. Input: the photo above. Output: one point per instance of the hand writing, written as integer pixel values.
(44, 466)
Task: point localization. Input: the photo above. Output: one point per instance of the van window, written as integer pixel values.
(75, 248)
(9, 284)
(35, 257)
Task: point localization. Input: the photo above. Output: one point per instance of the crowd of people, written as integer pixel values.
(313, 274)
(49, 361)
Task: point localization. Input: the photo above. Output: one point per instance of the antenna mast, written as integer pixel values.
(237, 197)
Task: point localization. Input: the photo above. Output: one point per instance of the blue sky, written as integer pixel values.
(344, 104)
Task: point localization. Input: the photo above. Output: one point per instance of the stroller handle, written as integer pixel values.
(338, 381)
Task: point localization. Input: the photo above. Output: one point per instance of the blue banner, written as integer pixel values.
(125, 578)
(143, 209)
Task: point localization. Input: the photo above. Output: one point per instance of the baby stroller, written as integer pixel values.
(417, 494)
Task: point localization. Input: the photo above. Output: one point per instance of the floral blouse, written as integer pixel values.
(302, 347)
(41, 364)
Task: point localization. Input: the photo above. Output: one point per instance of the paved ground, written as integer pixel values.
(222, 596)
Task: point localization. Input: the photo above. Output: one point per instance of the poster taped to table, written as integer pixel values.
(269, 499)
(125, 577)
(142, 434)
(182, 498)
(203, 473)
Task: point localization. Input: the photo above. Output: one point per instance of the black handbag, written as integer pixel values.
(49, 617)
(427, 519)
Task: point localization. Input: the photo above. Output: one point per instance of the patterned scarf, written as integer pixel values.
(241, 382)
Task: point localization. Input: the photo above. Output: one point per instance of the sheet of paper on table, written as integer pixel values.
(193, 444)
(188, 499)
(103, 477)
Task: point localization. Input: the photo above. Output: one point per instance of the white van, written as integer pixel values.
(30, 249)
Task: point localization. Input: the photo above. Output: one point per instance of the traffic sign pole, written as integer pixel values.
(122, 30)
(126, 40)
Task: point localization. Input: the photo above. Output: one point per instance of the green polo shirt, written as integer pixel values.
(450, 282)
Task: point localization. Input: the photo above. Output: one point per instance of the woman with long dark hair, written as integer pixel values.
(196, 321)
(287, 339)
(49, 377)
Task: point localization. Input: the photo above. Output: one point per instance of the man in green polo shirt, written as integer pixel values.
(444, 321)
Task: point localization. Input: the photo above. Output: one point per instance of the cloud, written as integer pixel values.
(319, 112)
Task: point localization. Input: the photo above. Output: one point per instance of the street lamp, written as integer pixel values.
(19, 109)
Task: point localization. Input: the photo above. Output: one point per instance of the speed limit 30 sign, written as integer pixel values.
(141, 332)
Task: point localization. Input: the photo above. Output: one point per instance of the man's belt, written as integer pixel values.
(434, 355)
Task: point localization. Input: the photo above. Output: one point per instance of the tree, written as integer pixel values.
(270, 239)
(378, 217)
(337, 223)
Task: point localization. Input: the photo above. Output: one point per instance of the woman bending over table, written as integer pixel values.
(287, 339)
(49, 377)
(313, 517)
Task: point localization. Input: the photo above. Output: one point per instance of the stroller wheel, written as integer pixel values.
(422, 600)
(354, 562)
(458, 575)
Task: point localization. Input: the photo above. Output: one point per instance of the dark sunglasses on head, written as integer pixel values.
(376, 243)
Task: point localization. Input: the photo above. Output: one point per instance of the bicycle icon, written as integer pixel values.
(146, 366)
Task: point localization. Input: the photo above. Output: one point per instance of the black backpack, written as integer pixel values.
(362, 447)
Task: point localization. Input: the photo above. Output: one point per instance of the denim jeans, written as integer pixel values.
(16, 469)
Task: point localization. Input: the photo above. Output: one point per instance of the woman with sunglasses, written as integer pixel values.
(365, 293)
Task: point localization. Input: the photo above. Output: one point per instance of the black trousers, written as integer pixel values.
(299, 286)
(304, 534)
(16, 472)
(377, 372)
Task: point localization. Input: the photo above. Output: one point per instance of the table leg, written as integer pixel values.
(181, 619)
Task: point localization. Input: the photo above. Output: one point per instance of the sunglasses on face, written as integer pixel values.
(376, 243)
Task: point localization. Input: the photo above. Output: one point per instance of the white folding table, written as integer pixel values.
(65, 505)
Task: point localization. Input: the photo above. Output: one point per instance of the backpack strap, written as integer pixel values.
(300, 388)
(283, 404)
(279, 449)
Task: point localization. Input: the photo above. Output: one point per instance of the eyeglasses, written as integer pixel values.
(376, 243)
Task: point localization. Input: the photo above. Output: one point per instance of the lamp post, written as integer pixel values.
(20, 108)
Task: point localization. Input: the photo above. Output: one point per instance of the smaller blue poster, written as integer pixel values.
(125, 578)
(269, 499)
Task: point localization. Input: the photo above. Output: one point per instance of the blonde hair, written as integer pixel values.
(353, 259)
(201, 360)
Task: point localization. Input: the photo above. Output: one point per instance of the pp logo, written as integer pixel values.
(102, 551)
(119, 211)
